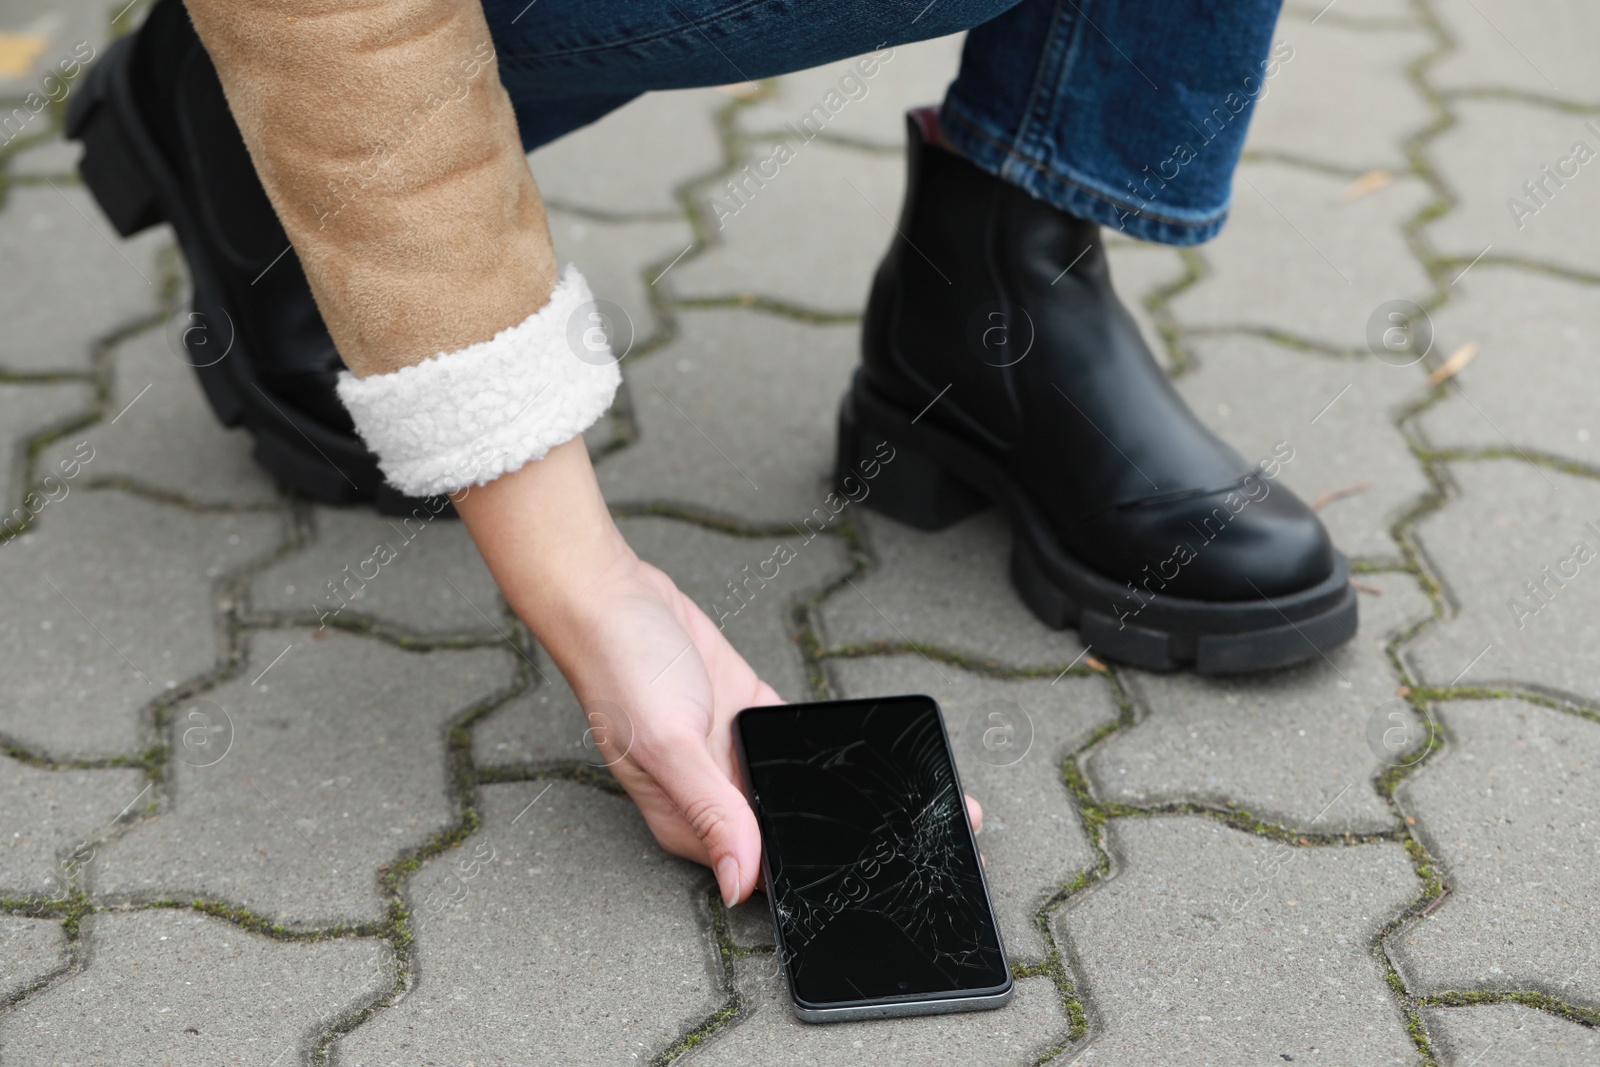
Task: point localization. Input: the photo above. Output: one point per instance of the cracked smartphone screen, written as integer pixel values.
(875, 880)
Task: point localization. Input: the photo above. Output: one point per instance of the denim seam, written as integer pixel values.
(1012, 154)
(1054, 67)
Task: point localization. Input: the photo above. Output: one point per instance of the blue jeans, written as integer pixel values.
(1129, 114)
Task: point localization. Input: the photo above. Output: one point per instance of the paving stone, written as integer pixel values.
(83, 281)
(31, 950)
(1337, 414)
(951, 588)
(1141, 270)
(328, 765)
(509, 968)
(159, 432)
(810, 235)
(619, 260)
(1539, 49)
(750, 924)
(1366, 14)
(1363, 124)
(142, 575)
(658, 142)
(767, 1032)
(412, 591)
(1526, 385)
(914, 75)
(55, 818)
(1299, 258)
(55, 158)
(1526, 138)
(175, 987)
(1009, 739)
(1290, 746)
(1513, 1033)
(739, 415)
(1508, 808)
(1511, 521)
(28, 410)
(1214, 946)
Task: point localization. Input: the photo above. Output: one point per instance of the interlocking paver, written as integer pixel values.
(867, 107)
(1527, 384)
(509, 971)
(558, 931)
(176, 987)
(159, 432)
(1299, 257)
(54, 818)
(31, 950)
(1214, 946)
(1540, 49)
(331, 763)
(78, 288)
(53, 158)
(1509, 1033)
(27, 410)
(619, 260)
(142, 575)
(808, 228)
(767, 1032)
(659, 141)
(1497, 213)
(1293, 746)
(750, 924)
(1338, 417)
(1360, 126)
(738, 415)
(949, 589)
(1509, 810)
(1009, 739)
(420, 573)
(1525, 607)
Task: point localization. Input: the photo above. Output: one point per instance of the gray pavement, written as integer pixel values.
(229, 835)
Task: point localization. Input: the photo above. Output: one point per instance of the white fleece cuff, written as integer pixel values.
(466, 417)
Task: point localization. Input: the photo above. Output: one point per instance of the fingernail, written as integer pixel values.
(728, 879)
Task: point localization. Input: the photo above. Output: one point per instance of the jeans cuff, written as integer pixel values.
(1085, 196)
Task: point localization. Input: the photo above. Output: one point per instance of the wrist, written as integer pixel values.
(548, 538)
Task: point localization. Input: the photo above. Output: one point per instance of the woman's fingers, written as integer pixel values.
(975, 813)
(714, 808)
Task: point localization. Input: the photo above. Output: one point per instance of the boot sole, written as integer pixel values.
(934, 479)
(131, 182)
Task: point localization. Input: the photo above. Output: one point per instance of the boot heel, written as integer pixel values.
(110, 166)
(908, 487)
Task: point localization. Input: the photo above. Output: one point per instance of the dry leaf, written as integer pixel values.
(741, 90)
(1370, 182)
(1338, 494)
(1452, 366)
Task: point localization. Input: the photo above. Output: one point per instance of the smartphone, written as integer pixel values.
(878, 896)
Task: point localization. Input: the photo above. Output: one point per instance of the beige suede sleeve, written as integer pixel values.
(389, 149)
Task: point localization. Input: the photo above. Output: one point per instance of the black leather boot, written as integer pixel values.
(1002, 369)
(161, 145)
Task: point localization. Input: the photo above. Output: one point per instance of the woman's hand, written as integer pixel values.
(657, 679)
(661, 685)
